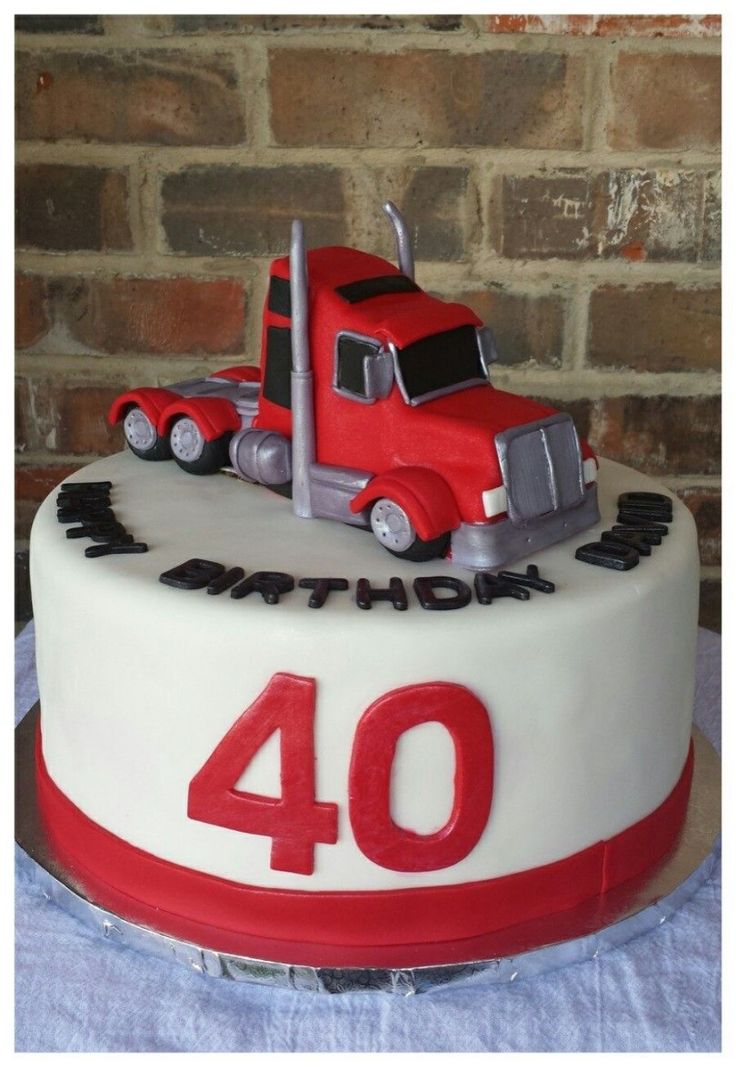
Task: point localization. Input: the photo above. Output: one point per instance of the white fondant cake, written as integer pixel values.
(588, 693)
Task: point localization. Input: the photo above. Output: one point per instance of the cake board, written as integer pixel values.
(529, 950)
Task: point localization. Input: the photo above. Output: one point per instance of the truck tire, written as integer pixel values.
(393, 529)
(142, 438)
(193, 452)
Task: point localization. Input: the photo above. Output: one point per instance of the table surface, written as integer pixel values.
(660, 992)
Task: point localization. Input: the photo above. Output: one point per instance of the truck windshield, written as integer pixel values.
(441, 363)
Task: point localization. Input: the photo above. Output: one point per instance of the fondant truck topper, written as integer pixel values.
(373, 406)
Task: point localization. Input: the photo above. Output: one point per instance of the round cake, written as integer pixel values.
(332, 757)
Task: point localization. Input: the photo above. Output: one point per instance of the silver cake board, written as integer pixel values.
(687, 867)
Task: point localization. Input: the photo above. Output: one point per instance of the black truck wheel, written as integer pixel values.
(142, 438)
(393, 528)
(193, 452)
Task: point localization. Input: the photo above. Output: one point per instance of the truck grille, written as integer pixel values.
(542, 467)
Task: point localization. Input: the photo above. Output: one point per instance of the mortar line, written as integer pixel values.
(518, 160)
(576, 328)
(542, 275)
(678, 482)
(253, 78)
(388, 42)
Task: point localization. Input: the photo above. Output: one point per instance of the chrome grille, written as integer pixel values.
(542, 467)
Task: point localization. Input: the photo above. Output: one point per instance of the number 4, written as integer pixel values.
(295, 820)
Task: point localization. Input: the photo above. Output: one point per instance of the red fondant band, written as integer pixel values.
(401, 928)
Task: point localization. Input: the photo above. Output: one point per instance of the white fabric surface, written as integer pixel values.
(77, 993)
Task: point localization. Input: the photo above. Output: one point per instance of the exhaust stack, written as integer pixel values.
(404, 252)
(302, 378)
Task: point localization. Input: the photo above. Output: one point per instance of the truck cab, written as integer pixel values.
(374, 407)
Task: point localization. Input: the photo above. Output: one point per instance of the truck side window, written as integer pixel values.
(350, 354)
(277, 375)
(279, 296)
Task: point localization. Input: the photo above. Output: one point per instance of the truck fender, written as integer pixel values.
(150, 399)
(213, 415)
(423, 494)
(239, 374)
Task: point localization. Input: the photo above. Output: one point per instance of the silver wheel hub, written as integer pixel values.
(187, 441)
(139, 431)
(392, 526)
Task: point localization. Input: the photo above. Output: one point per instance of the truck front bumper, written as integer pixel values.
(483, 546)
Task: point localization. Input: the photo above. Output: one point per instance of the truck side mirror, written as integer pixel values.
(378, 375)
(487, 347)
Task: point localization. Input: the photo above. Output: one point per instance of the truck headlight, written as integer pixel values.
(590, 471)
(494, 501)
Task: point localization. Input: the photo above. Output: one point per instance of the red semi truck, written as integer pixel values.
(373, 406)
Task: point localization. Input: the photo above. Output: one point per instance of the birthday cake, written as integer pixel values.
(410, 671)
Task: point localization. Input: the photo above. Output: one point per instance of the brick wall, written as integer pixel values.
(560, 174)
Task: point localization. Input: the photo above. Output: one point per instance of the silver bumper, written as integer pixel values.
(483, 546)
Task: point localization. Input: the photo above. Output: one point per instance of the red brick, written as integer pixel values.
(24, 420)
(574, 214)
(82, 24)
(155, 97)
(31, 320)
(187, 316)
(541, 217)
(67, 415)
(710, 604)
(438, 205)
(608, 25)
(666, 101)
(567, 25)
(660, 435)
(705, 505)
(655, 328)
(25, 513)
(426, 98)
(222, 210)
(527, 328)
(62, 208)
(284, 24)
(81, 412)
(35, 483)
(582, 412)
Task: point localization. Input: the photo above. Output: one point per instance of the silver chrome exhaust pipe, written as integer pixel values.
(404, 252)
(302, 378)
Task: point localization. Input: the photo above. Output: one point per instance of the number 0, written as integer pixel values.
(377, 835)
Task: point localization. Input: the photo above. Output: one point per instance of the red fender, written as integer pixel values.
(213, 415)
(239, 374)
(423, 494)
(151, 400)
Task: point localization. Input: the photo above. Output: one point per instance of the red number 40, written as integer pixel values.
(296, 821)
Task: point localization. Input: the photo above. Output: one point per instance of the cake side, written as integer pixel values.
(588, 691)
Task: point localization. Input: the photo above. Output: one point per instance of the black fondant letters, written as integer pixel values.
(270, 584)
(532, 579)
(321, 589)
(116, 548)
(628, 537)
(192, 574)
(366, 595)
(489, 587)
(225, 580)
(652, 506)
(616, 557)
(425, 591)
